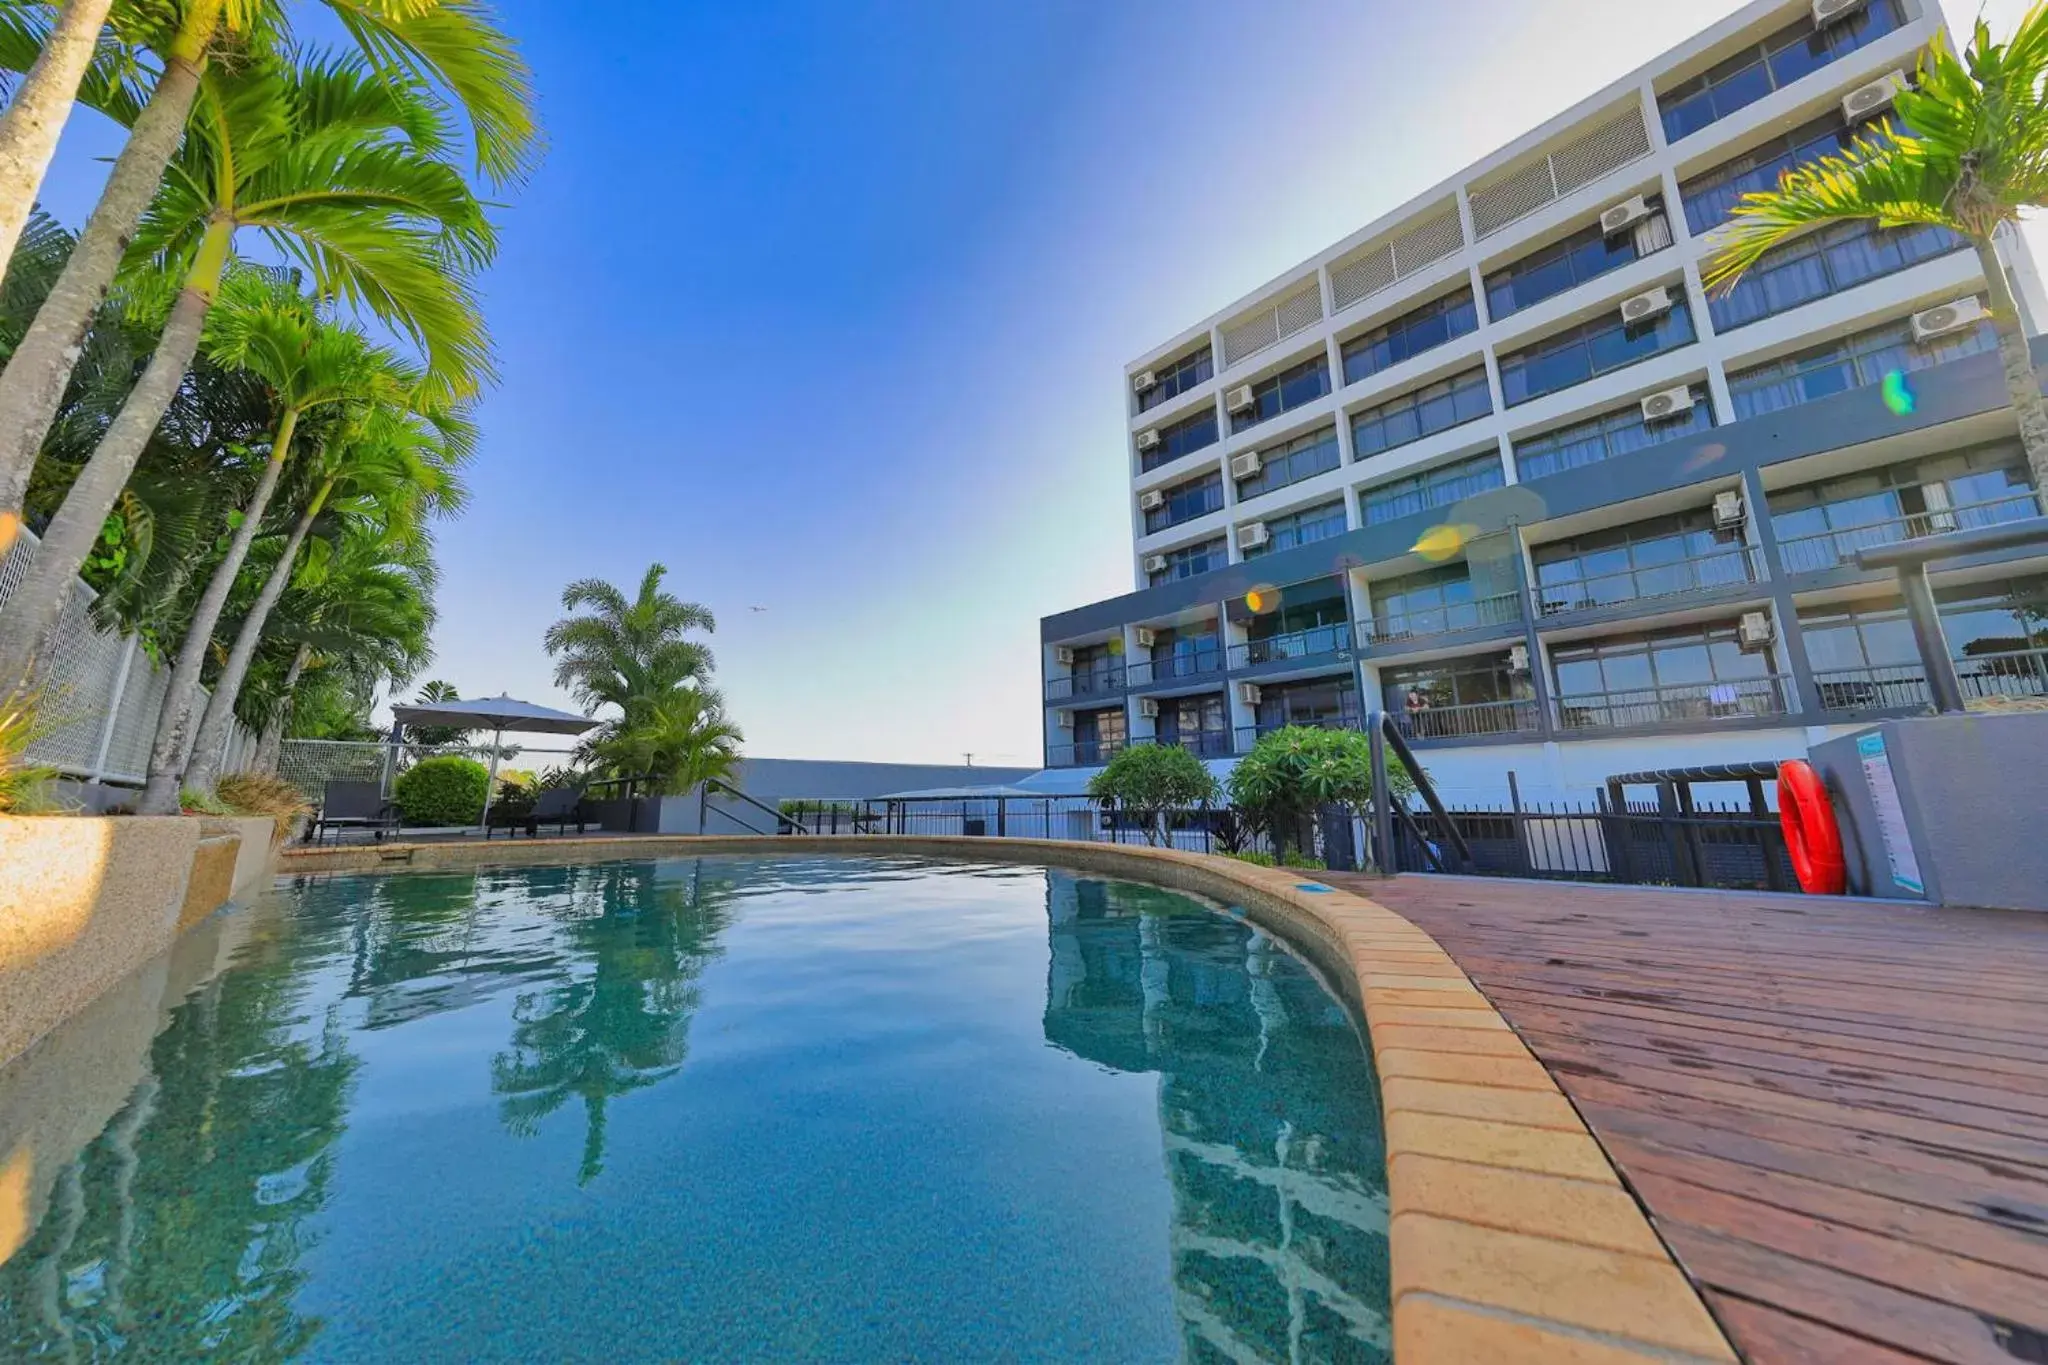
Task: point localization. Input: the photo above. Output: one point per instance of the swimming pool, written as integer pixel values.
(715, 1109)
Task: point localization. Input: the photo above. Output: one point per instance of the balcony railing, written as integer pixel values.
(1730, 568)
(1683, 704)
(1096, 682)
(1481, 612)
(1202, 743)
(1469, 721)
(1085, 754)
(1830, 549)
(1248, 735)
(1320, 642)
(1174, 668)
(1903, 687)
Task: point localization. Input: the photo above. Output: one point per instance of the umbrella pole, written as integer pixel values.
(491, 783)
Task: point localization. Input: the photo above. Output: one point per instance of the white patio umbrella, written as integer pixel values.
(496, 714)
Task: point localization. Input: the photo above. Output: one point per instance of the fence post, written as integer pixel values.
(1002, 817)
(1383, 858)
(106, 744)
(1522, 857)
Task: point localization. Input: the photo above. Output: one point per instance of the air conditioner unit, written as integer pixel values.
(1248, 693)
(1151, 500)
(1755, 630)
(1827, 11)
(1728, 508)
(1646, 305)
(1247, 465)
(1623, 215)
(1147, 637)
(1518, 658)
(1063, 655)
(1155, 563)
(1148, 439)
(1867, 100)
(1143, 380)
(1066, 720)
(1239, 398)
(1949, 317)
(1148, 709)
(1252, 535)
(1665, 404)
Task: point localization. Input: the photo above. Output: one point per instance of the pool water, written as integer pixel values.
(703, 1110)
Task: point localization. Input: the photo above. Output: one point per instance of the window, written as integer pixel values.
(1409, 335)
(1097, 669)
(1311, 618)
(1710, 198)
(1690, 673)
(1458, 697)
(1437, 601)
(1330, 703)
(1864, 656)
(1098, 734)
(1439, 487)
(1284, 392)
(1184, 437)
(1302, 458)
(1823, 263)
(1652, 558)
(1185, 652)
(1296, 529)
(1585, 255)
(1422, 412)
(1177, 378)
(1190, 560)
(1591, 349)
(1754, 72)
(1822, 525)
(1186, 501)
(1851, 363)
(1606, 436)
(1198, 723)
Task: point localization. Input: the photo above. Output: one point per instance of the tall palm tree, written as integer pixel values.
(42, 105)
(340, 170)
(678, 741)
(1975, 159)
(623, 652)
(454, 46)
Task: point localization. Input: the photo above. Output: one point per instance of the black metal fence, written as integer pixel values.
(1640, 842)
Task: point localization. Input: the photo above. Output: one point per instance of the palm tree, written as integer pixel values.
(42, 104)
(340, 171)
(1975, 159)
(678, 741)
(454, 46)
(626, 652)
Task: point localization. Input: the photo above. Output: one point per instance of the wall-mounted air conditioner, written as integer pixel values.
(1066, 720)
(1151, 500)
(1063, 655)
(1825, 12)
(1646, 305)
(1148, 439)
(1248, 693)
(1147, 637)
(1868, 101)
(1239, 398)
(1728, 508)
(1252, 535)
(1144, 380)
(1155, 563)
(1953, 316)
(1624, 215)
(1518, 658)
(1247, 465)
(1755, 631)
(1148, 709)
(1666, 404)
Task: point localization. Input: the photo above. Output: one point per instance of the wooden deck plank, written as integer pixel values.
(1835, 1112)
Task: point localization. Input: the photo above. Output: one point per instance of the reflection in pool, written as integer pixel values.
(704, 1110)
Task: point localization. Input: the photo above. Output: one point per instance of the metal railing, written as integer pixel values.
(1173, 668)
(1501, 609)
(1248, 735)
(1733, 567)
(1096, 682)
(1201, 743)
(1833, 549)
(1085, 754)
(1686, 703)
(1468, 721)
(1903, 687)
(1315, 643)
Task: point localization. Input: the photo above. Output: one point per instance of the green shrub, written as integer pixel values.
(1148, 779)
(1254, 857)
(1292, 773)
(444, 790)
(1304, 862)
(198, 801)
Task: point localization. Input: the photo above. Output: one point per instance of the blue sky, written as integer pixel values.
(825, 307)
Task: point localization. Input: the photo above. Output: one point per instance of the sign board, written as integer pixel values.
(1891, 812)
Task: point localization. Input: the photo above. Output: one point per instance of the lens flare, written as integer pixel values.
(1898, 394)
(1439, 543)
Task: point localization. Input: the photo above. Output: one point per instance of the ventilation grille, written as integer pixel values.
(1581, 161)
(1382, 263)
(1272, 323)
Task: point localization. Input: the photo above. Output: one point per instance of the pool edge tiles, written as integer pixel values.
(1511, 1236)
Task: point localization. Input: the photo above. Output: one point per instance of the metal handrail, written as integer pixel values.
(1649, 581)
(1834, 549)
(1380, 730)
(1892, 687)
(1299, 644)
(730, 790)
(1102, 682)
(1499, 609)
(1731, 699)
(1248, 735)
(1469, 719)
(1145, 672)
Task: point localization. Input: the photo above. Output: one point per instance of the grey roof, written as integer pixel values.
(493, 713)
(958, 794)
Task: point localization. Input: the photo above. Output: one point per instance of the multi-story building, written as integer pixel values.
(1498, 464)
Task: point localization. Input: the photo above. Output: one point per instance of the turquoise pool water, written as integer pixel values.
(703, 1110)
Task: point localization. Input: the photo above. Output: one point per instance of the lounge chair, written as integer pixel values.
(353, 805)
(556, 806)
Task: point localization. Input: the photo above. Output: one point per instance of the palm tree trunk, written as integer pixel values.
(32, 385)
(32, 124)
(174, 724)
(204, 766)
(35, 605)
(270, 747)
(2021, 384)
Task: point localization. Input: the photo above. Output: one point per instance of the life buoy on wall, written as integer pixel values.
(1811, 835)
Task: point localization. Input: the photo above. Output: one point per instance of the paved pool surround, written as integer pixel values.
(1511, 1236)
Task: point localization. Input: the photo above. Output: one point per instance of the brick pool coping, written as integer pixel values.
(1511, 1238)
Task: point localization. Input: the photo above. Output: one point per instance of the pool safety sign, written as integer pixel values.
(1891, 812)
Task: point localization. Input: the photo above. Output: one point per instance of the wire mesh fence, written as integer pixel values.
(310, 764)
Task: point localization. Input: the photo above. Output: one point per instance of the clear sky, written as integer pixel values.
(825, 306)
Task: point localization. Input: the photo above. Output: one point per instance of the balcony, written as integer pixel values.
(1903, 687)
(1085, 754)
(1793, 52)
(1682, 704)
(1474, 720)
(1105, 683)
(1480, 613)
(1824, 263)
(1174, 668)
(1321, 642)
(1835, 549)
(1202, 743)
(1737, 566)
(1248, 735)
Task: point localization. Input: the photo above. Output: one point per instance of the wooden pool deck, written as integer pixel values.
(1835, 1112)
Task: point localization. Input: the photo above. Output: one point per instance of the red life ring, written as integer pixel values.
(1811, 836)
